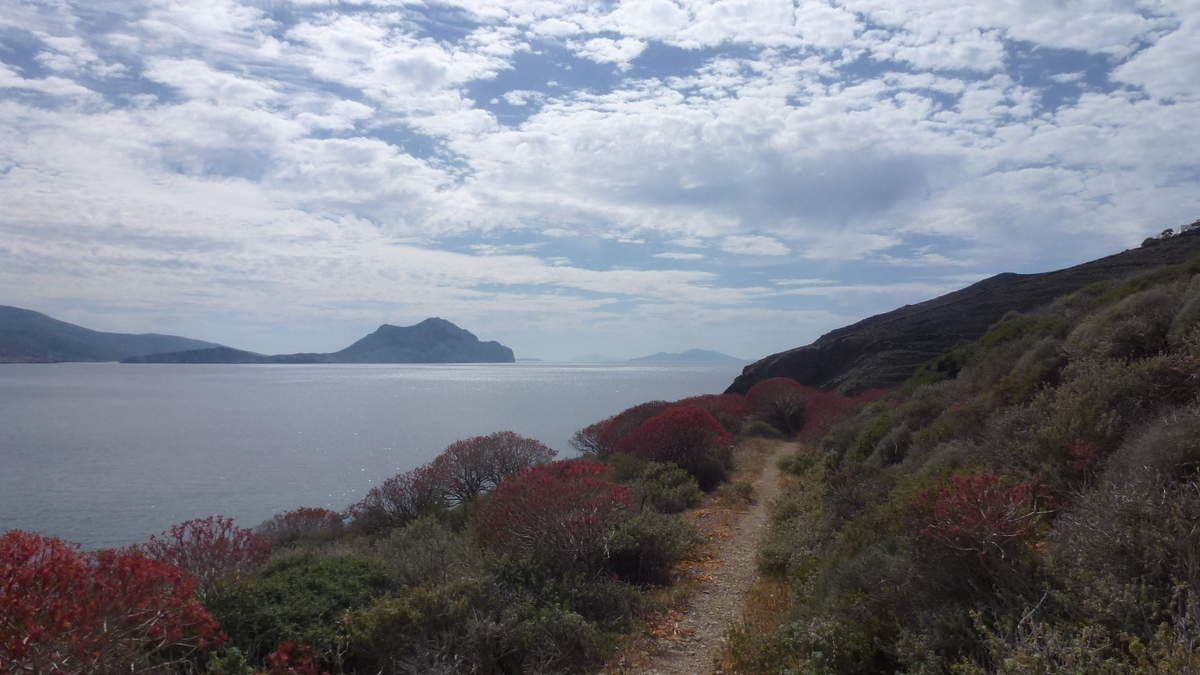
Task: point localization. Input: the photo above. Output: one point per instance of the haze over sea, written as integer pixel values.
(107, 454)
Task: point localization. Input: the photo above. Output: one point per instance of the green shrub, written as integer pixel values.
(666, 488)
(1133, 328)
(645, 547)
(756, 427)
(427, 551)
(299, 598)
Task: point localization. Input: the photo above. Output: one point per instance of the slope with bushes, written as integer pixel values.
(1026, 502)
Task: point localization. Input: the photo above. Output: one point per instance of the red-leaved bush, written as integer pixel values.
(400, 499)
(292, 658)
(980, 514)
(727, 409)
(66, 611)
(306, 522)
(473, 465)
(560, 514)
(779, 401)
(687, 436)
(602, 437)
(211, 549)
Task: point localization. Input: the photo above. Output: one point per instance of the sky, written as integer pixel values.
(575, 177)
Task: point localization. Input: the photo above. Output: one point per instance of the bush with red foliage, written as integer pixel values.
(473, 465)
(306, 522)
(400, 499)
(779, 401)
(66, 611)
(687, 436)
(561, 514)
(292, 658)
(602, 437)
(980, 514)
(211, 549)
(727, 409)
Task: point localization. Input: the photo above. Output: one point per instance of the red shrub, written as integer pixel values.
(560, 514)
(65, 611)
(307, 522)
(588, 439)
(980, 514)
(727, 409)
(292, 658)
(779, 401)
(687, 436)
(471, 466)
(602, 437)
(211, 549)
(400, 499)
(1083, 453)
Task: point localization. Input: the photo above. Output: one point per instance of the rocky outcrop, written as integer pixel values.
(884, 350)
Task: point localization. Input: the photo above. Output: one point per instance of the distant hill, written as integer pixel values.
(690, 356)
(433, 340)
(884, 350)
(27, 336)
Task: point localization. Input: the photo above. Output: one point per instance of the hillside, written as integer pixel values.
(433, 340)
(884, 350)
(31, 337)
(1025, 503)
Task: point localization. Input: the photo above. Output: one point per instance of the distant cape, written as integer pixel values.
(27, 336)
(433, 340)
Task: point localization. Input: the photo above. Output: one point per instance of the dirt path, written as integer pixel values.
(698, 632)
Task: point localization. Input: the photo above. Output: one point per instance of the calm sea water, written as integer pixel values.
(106, 454)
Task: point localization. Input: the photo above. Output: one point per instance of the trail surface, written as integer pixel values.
(697, 633)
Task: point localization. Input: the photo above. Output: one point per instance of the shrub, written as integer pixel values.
(400, 499)
(291, 658)
(473, 465)
(65, 611)
(300, 598)
(211, 549)
(561, 514)
(729, 410)
(980, 514)
(687, 436)
(645, 547)
(602, 437)
(666, 488)
(780, 402)
(426, 551)
(305, 523)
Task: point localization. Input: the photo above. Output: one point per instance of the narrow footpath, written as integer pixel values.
(695, 636)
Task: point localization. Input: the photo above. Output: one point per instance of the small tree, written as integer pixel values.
(211, 549)
(687, 436)
(780, 401)
(561, 514)
(65, 611)
(473, 465)
(400, 499)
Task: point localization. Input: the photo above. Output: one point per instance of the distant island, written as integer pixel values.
(690, 356)
(27, 336)
(434, 340)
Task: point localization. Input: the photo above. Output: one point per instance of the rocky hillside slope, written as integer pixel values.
(32, 337)
(884, 350)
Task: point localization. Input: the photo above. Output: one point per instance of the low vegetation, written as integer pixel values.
(492, 558)
(1026, 503)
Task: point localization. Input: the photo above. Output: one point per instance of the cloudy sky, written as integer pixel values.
(575, 176)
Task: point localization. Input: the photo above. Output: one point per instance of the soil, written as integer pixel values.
(690, 639)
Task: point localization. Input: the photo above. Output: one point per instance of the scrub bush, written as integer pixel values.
(666, 488)
(980, 514)
(560, 515)
(66, 611)
(308, 523)
(473, 465)
(400, 500)
(780, 402)
(212, 549)
(688, 437)
(645, 547)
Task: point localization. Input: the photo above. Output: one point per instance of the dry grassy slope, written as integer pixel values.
(884, 350)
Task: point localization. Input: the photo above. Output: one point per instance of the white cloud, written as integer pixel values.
(678, 255)
(754, 245)
(606, 50)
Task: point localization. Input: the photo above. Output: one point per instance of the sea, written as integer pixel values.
(107, 454)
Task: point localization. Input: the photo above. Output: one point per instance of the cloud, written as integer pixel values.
(677, 255)
(754, 245)
(606, 50)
